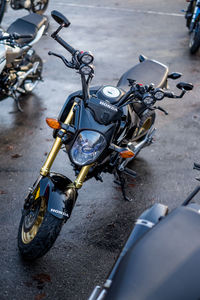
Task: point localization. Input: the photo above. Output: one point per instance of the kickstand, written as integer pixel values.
(121, 181)
(16, 98)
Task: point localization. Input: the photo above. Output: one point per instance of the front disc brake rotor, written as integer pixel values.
(33, 219)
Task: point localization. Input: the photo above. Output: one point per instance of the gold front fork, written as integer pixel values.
(81, 176)
(54, 151)
(56, 147)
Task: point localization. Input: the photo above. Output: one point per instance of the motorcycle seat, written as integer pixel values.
(164, 263)
(29, 24)
(147, 72)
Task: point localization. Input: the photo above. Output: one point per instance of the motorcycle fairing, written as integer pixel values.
(29, 24)
(60, 194)
(85, 120)
(146, 72)
(163, 264)
(69, 101)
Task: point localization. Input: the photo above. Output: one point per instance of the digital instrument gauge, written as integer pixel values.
(111, 91)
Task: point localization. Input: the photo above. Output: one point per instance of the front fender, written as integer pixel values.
(60, 194)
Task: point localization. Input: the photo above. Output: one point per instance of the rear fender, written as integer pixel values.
(148, 219)
(60, 195)
(143, 224)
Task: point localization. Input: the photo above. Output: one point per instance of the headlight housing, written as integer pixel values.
(86, 69)
(87, 147)
(86, 58)
(148, 99)
(159, 94)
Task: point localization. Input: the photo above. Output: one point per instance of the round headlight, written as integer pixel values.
(159, 94)
(87, 147)
(86, 58)
(148, 99)
(86, 69)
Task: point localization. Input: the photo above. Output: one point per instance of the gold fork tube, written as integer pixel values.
(56, 147)
(81, 176)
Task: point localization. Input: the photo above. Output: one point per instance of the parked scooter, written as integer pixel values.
(20, 66)
(161, 258)
(35, 6)
(193, 23)
(102, 129)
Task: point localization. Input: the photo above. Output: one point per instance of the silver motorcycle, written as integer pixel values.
(20, 66)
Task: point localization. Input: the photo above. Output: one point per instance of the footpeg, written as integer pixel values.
(130, 172)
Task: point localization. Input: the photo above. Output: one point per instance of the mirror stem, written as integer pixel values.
(56, 32)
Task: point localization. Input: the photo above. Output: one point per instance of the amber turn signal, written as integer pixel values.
(127, 154)
(53, 123)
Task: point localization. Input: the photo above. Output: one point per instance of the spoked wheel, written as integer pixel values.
(39, 6)
(38, 229)
(2, 9)
(194, 43)
(145, 123)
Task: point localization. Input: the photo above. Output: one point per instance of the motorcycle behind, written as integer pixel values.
(20, 66)
(35, 6)
(161, 258)
(193, 23)
(102, 129)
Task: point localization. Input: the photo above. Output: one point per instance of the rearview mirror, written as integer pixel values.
(59, 18)
(184, 85)
(174, 75)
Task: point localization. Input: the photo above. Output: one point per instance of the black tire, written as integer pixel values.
(194, 43)
(44, 238)
(39, 7)
(189, 12)
(2, 9)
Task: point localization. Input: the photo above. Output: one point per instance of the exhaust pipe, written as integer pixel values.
(136, 148)
(23, 76)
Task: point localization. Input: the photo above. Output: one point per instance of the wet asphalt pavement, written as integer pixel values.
(116, 32)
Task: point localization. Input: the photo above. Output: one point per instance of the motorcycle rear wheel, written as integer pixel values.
(38, 230)
(39, 7)
(145, 123)
(194, 43)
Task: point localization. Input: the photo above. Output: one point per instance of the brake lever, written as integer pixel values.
(66, 62)
(161, 109)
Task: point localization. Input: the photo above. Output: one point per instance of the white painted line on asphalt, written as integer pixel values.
(122, 9)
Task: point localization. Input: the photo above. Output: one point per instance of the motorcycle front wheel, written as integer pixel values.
(38, 229)
(189, 13)
(39, 6)
(194, 43)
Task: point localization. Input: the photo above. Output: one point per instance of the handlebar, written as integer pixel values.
(63, 43)
(15, 36)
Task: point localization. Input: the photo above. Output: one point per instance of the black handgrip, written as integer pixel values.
(64, 44)
(169, 95)
(25, 36)
(16, 36)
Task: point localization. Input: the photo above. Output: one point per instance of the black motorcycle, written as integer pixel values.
(102, 129)
(35, 6)
(161, 258)
(20, 66)
(193, 23)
